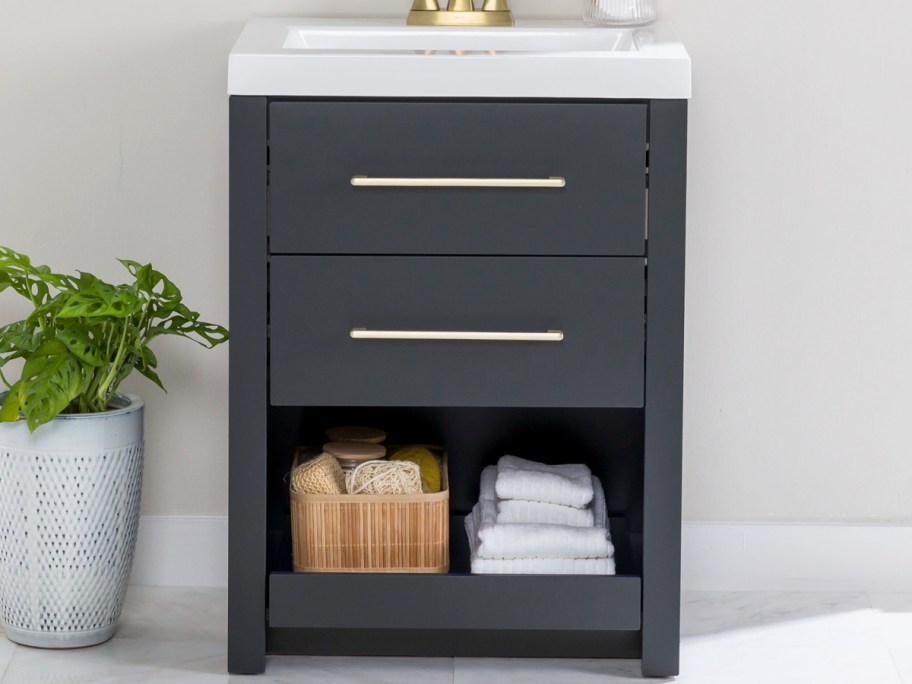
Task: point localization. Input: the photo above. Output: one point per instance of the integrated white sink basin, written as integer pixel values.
(459, 40)
(384, 58)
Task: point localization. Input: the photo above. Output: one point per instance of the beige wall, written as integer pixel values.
(113, 124)
(799, 326)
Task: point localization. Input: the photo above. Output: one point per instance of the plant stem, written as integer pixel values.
(85, 402)
(102, 395)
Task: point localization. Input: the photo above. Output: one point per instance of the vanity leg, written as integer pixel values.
(664, 388)
(247, 387)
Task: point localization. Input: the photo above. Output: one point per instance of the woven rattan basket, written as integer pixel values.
(407, 533)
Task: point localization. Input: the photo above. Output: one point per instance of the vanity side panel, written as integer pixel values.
(664, 388)
(247, 386)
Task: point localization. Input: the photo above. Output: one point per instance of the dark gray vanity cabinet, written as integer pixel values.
(334, 229)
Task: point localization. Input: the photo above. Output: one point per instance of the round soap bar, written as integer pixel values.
(430, 468)
(353, 433)
(355, 451)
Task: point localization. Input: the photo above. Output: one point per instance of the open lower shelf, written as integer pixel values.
(458, 600)
(460, 614)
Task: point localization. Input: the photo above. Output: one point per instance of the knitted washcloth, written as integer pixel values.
(321, 475)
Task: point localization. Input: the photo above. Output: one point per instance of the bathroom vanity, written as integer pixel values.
(523, 188)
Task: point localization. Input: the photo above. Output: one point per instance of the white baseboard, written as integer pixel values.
(193, 551)
(796, 557)
(181, 551)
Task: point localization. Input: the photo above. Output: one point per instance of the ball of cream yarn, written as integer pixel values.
(384, 477)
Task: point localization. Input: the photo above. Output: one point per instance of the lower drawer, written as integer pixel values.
(457, 331)
(491, 602)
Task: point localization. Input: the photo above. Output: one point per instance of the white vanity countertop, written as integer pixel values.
(384, 58)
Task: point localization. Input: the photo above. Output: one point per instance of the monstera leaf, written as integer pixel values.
(51, 379)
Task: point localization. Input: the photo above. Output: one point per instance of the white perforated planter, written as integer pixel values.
(69, 511)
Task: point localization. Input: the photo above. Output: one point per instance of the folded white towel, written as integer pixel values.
(488, 486)
(597, 508)
(533, 566)
(531, 540)
(566, 485)
(518, 511)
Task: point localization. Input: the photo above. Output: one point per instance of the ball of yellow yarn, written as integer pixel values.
(430, 468)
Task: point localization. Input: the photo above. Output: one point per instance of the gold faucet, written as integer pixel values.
(460, 13)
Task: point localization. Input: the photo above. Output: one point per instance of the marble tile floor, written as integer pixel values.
(178, 636)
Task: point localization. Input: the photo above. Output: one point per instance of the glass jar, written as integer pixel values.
(352, 454)
(619, 12)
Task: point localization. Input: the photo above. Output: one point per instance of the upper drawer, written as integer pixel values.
(379, 331)
(316, 148)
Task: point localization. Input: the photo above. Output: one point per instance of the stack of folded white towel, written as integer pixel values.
(538, 519)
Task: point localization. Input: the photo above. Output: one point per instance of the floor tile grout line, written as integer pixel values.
(899, 674)
(10, 660)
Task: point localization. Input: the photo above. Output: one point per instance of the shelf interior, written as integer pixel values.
(609, 441)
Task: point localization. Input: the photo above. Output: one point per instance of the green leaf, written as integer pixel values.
(17, 279)
(132, 266)
(92, 304)
(9, 411)
(51, 379)
(165, 295)
(17, 272)
(83, 305)
(152, 375)
(143, 274)
(121, 298)
(50, 308)
(19, 337)
(77, 339)
(146, 363)
(85, 280)
(210, 334)
(60, 281)
(148, 358)
(9, 258)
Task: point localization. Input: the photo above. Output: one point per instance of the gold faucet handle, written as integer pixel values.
(495, 6)
(425, 6)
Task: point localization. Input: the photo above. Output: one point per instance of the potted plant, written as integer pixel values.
(71, 445)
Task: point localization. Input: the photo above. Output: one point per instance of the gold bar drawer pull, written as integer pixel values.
(547, 336)
(370, 182)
